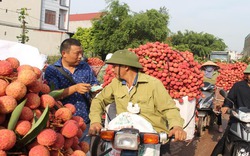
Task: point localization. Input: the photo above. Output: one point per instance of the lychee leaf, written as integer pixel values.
(36, 128)
(34, 120)
(56, 93)
(15, 115)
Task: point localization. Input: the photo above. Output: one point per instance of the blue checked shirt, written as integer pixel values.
(82, 73)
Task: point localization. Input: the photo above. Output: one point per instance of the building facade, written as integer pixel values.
(47, 23)
(82, 20)
(246, 50)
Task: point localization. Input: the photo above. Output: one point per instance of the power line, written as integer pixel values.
(29, 16)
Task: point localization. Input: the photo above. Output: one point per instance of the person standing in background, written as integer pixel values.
(210, 74)
(103, 69)
(78, 91)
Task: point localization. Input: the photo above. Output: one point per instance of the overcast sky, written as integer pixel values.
(225, 19)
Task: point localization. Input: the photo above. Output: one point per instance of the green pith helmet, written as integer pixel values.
(247, 70)
(125, 57)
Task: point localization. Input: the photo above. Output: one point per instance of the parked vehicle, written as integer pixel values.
(238, 138)
(222, 56)
(205, 108)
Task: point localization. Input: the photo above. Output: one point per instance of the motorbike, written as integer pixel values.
(237, 141)
(205, 110)
(128, 139)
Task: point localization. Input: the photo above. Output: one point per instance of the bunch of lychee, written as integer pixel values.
(63, 130)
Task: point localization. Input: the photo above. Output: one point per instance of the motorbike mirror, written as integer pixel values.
(223, 93)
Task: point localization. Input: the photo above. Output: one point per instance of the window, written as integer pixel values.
(50, 17)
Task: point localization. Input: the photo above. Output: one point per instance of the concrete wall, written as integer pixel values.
(47, 42)
(10, 8)
(47, 38)
(73, 25)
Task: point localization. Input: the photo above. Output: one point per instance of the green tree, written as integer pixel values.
(119, 28)
(86, 37)
(201, 44)
(23, 38)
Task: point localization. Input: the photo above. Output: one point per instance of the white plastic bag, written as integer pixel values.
(26, 54)
(128, 120)
(187, 109)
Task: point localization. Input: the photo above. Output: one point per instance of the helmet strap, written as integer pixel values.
(119, 77)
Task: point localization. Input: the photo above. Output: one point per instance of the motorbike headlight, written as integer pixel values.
(245, 117)
(129, 140)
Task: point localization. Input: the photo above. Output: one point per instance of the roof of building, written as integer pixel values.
(84, 17)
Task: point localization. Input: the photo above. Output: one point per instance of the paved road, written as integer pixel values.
(199, 146)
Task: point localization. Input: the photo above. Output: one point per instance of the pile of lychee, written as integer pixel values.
(23, 84)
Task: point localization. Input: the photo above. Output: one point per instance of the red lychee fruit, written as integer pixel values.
(13, 75)
(78, 153)
(33, 100)
(25, 67)
(47, 99)
(26, 76)
(84, 146)
(23, 127)
(37, 112)
(35, 87)
(3, 85)
(47, 137)
(59, 141)
(70, 107)
(83, 127)
(26, 114)
(16, 89)
(7, 139)
(3, 153)
(68, 142)
(78, 119)
(7, 104)
(5, 68)
(45, 89)
(69, 151)
(38, 72)
(39, 150)
(75, 147)
(14, 62)
(56, 153)
(79, 133)
(70, 129)
(63, 114)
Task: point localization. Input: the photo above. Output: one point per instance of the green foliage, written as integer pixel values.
(15, 115)
(245, 59)
(119, 28)
(86, 37)
(23, 38)
(56, 93)
(53, 59)
(35, 129)
(201, 44)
